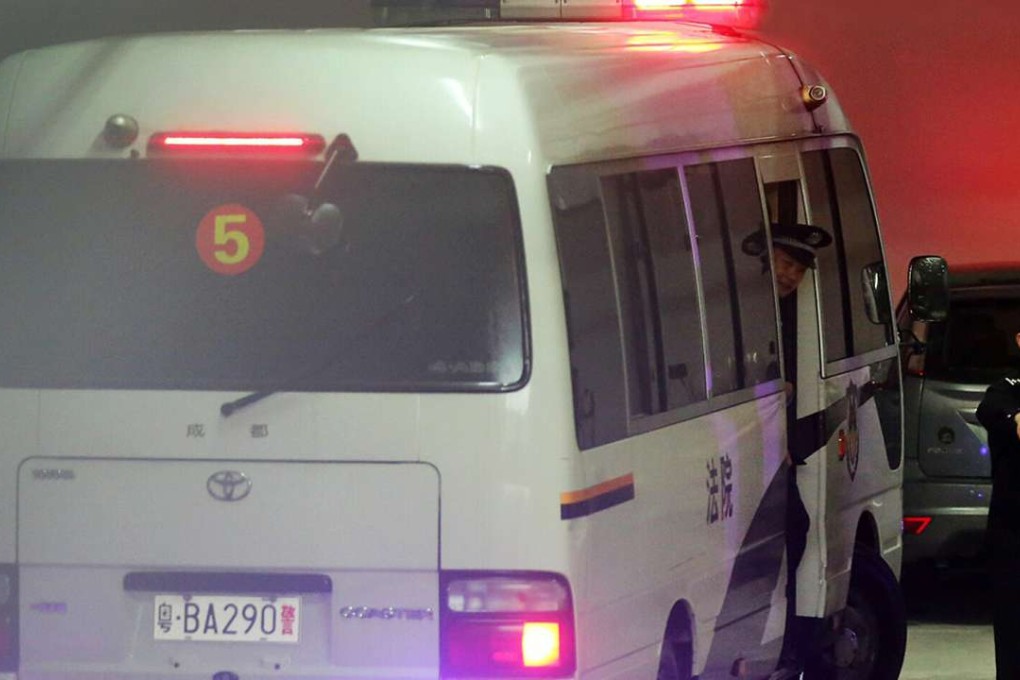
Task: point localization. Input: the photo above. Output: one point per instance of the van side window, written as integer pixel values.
(593, 323)
(841, 203)
(740, 307)
(635, 306)
(658, 291)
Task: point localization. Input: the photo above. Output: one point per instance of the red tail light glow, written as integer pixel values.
(914, 364)
(236, 143)
(506, 625)
(915, 526)
(540, 645)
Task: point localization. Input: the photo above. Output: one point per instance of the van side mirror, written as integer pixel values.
(928, 288)
(875, 287)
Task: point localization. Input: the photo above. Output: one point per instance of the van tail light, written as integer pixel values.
(915, 526)
(293, 144)
(8, 618)
(506, 625)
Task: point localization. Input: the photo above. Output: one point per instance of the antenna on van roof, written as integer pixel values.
(425, 12)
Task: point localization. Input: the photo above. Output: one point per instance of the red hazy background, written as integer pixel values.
(933, 89)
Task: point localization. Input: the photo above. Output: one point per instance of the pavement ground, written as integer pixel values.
(949, 634)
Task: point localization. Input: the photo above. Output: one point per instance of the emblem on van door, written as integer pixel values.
(850, 438)
(228, 485)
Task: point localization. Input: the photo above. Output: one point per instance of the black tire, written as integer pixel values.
(674, 661)
(872, 637)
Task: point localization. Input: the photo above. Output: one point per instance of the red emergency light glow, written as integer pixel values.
(732, 13)
(224, 142)
(915, 526)
(707, 5)
(665, 41)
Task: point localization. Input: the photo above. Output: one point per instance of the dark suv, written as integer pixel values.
(947, 469)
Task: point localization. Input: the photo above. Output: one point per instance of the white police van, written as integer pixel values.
(434, 352)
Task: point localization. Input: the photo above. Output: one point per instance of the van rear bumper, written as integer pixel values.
(959, 512)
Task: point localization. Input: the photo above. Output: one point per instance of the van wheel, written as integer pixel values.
(872, 637)
(674, 661)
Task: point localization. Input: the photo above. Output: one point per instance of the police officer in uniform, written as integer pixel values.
(999, 413)
(794, 247)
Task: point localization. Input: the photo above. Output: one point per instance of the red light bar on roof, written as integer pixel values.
(732, 13)
(234, 142)
(724, 13)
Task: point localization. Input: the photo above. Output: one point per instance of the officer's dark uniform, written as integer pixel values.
(797, 520)
(800, 242)
(801, 632)
(996, 412)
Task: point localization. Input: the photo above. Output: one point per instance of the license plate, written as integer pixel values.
(226, 618)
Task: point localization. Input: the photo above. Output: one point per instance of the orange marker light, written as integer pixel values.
(540, 645)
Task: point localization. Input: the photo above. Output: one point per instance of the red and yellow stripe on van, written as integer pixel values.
(575, 504)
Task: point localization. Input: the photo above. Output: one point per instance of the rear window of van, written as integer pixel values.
(975, 345)
(242, 275)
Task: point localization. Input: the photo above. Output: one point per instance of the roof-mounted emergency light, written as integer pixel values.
(724, 13)
(412, 12)
(728, 13)
(732, 13)
(296, 144)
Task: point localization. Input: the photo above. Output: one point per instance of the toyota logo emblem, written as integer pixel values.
(228, 485)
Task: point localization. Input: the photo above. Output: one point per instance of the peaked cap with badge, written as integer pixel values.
(800, 241)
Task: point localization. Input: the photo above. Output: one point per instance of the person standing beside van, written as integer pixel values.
(999, 414)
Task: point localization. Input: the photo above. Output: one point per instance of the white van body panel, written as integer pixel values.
(463, 82)
(76, 545)
(391, 488)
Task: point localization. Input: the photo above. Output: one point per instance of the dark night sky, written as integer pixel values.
(933, 88)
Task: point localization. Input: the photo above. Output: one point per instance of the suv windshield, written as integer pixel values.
(209, 275)
(975, 344)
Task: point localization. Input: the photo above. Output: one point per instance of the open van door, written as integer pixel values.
(847, 399)
(783, 188)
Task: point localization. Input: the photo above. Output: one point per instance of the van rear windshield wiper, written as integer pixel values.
(228, 409)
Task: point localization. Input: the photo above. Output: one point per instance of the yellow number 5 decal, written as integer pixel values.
(225, 236)
(230, 239)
